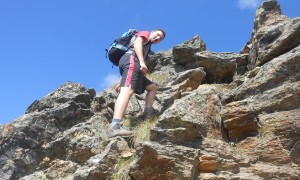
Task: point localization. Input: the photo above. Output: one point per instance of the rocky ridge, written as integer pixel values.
(219, 116)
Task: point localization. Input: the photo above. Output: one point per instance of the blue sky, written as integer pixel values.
(44, 44)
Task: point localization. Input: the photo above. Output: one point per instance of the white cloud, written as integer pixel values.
(249, 4)
(110, 80)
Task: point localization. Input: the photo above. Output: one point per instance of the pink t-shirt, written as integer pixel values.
(147, 46)
(144, 34)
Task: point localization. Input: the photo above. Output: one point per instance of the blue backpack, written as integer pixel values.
(119, 47)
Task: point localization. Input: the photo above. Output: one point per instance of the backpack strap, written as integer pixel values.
(106, 53)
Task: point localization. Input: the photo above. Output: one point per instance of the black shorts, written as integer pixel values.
(131, 74)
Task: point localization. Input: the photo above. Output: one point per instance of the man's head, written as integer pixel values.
(157, 35)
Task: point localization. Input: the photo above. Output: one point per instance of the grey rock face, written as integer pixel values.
(273, 35)
(24, 142)
(182, 53)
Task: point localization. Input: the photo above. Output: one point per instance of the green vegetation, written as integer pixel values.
(121, 169)
(160, 78)
(142, 131)
(264, 129)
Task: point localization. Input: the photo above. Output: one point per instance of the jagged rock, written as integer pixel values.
(189, 80)
(22, 144)
(69, 92)
(275, 87)
(104, 99)
(62, 169)
(184, 52)
(295, 153)
(36, 175)
(267, 149)
(101, 166)
(182, 84)
(156, 62)
(187, 121)
(274, 34)
(240, 120)
(80, 142)
(208, 164)
(164, 162)
(285, 126)
(242, 64)
(270, 171)
(226, 161)
(282, 124)
(172, 86)
(219, 68)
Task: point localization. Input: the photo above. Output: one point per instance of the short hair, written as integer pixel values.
(161, 30)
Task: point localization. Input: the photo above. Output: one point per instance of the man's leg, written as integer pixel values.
(122, 102)
(150, 97)
(115, 128)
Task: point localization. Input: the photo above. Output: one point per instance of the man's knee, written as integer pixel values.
(127, 90)
(151, 87)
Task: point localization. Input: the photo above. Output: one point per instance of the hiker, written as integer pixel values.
(133, 69)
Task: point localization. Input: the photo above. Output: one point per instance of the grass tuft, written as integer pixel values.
(142, 131)
(121, 169)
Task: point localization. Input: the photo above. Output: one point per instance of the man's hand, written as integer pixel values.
(144, 68)
(118, 88)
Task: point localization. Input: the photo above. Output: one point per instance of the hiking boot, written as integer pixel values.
(148, 113)
(118, 130)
